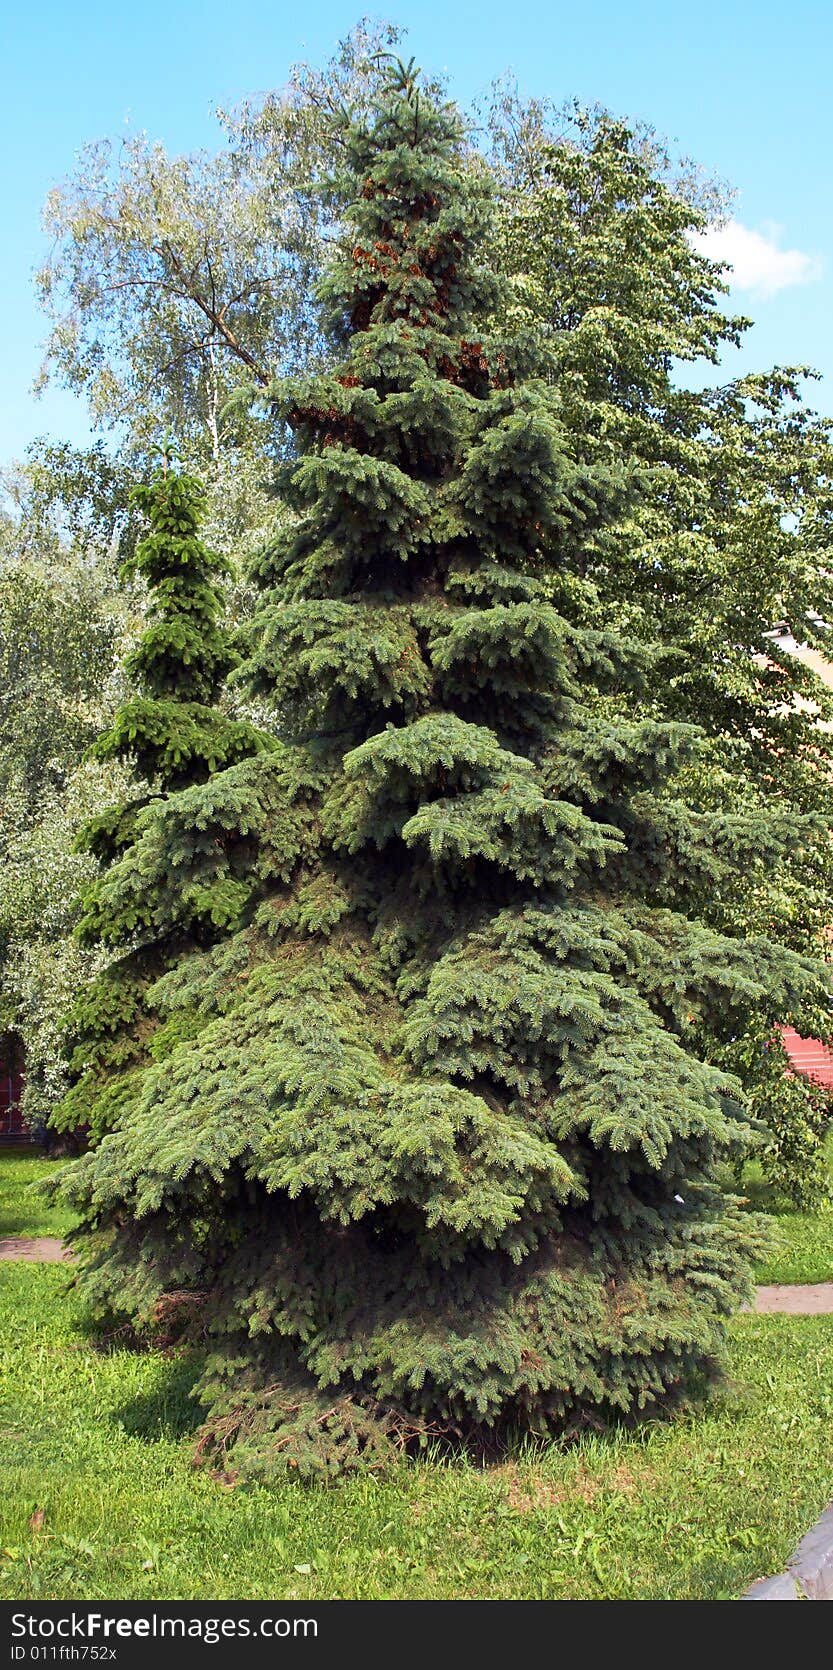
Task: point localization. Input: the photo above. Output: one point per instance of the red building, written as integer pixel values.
(11, 1085)
(808, 1056)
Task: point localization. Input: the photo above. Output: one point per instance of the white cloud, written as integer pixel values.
(756, 261)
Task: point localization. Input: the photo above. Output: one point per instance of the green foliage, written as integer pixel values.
(429, 1138)
(44, 967)
(172, 281)
(728, 538)
(60, 628)
(794, 1113)
(174, 741)
(174, 733)
(173, 736)
(63, 623)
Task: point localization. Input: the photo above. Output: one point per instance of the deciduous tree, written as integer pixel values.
(730, 536)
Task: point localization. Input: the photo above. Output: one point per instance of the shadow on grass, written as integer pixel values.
(167, 1409)
(707, 1393)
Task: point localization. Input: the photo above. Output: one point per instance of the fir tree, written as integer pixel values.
(425, 1144)
(174, 736)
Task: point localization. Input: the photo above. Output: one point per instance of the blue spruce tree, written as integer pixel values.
(421, 1140)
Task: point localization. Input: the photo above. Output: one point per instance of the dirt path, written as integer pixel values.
(816, 1299)
(40, 1249)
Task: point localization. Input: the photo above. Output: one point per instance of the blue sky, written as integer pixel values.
(742, 86)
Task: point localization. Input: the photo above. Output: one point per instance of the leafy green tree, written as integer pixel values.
(60, 629)
(173, 736)
(729, 537)
(43, 967)
(161, 286)
(63, 624)
(424, 1141)
(173, 280)
(731, 532)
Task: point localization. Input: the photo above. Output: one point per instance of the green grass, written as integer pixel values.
(692, 1507)
(803, 1249)
(22, 1210)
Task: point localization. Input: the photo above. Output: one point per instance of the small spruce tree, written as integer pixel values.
(174, 736)
(424, 1143)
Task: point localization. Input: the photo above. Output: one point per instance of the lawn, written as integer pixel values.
(22, 1210)
(100, 1499)
(803, 1249)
